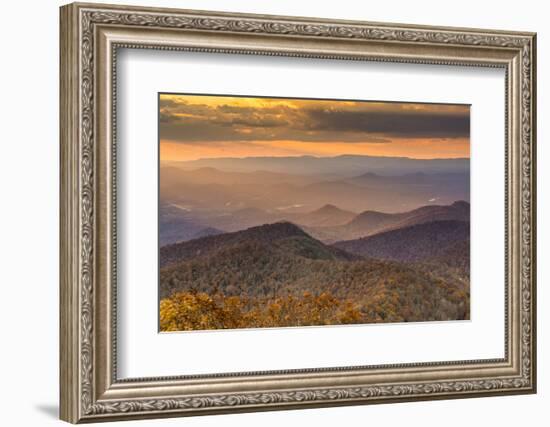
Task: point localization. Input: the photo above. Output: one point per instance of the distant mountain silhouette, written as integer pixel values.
(211, 175)
(413, 243)
(371, 222)
(415, 178)
(328, 215)
(214, 189)
(344, 165)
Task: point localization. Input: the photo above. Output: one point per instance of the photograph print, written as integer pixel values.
(284, 212)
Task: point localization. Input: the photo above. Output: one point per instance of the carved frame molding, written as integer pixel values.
(90, 390)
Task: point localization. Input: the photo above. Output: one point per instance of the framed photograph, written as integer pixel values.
(265, 212)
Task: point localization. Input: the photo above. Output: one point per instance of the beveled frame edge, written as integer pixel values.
(88, 392)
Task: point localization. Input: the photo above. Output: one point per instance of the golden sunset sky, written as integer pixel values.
(195, 126)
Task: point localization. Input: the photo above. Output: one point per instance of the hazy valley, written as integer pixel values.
(261, 242)
(214, 199)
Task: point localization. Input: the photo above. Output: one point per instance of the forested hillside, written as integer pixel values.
(414, 243)
(277, 275)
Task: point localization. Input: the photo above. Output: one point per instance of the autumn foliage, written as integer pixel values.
(277, 276)
(198, 310)
(191, 310)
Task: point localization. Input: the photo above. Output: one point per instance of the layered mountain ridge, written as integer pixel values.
(276, 245)
(274, 260)
(410, 243)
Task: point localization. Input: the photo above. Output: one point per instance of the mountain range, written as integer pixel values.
(328, 223)
(345, 165)
(193, 200)
(208, 188)
(372, 222)
(271, 241)
(281, 259)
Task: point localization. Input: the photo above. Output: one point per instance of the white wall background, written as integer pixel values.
(29, 170)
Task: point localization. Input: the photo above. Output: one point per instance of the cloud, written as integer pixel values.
(412, 123)
(207, 119)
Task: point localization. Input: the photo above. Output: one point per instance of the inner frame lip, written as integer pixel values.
(330, 371)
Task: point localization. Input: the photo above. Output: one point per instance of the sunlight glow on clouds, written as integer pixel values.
(193, 127)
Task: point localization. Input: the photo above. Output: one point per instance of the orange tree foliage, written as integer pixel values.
(198, 310)
(387, 302)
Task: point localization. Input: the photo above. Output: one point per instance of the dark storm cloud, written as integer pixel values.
(190, 132)
(166, 117)
(412, 124)
(308, 121)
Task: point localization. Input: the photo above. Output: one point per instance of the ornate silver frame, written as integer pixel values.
(90, 36)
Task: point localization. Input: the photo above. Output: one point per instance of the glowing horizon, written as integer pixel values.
(195, 127)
